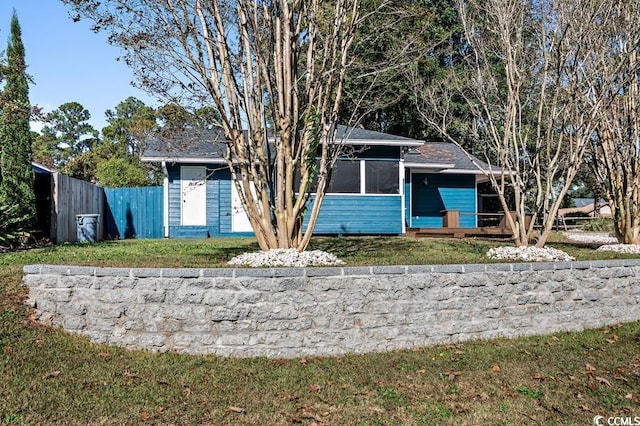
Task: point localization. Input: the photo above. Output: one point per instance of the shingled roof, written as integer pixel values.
(444, 157)
(357, 136)
(208, 145)
(189, 144)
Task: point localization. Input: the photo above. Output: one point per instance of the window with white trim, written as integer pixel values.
(345, 177)
(381, 177)
(365, 177)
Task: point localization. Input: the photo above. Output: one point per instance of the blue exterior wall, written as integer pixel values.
(442, 192)
(342, 213)
(360, 214)
(339, 214)
(218, 205)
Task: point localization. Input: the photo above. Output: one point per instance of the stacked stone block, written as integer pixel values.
(330, 311)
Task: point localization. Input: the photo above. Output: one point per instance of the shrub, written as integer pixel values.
(13, 230)
(599, 225)
(118, 172)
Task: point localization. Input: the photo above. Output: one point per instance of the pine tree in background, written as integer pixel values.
(16, 174)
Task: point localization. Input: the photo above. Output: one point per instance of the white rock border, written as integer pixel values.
(610, 242)
(285, 258)
(591, 237)
(529, 254)
(621, 248)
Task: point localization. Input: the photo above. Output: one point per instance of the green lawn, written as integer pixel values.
(50, 377)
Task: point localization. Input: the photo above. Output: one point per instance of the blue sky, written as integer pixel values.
(67, 60)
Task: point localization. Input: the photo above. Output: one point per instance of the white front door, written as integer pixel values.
(193, 187)
(239, 219)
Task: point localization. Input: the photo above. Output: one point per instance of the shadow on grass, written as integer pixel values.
(360, 246)
(385, 250)
(219, 256)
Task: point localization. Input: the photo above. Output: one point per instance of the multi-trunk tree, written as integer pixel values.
(275, 72)
(16, 173)
(616, 159)
(69, 124)
(67, 141)
(525, 73)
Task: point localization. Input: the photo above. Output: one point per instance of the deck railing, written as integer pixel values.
(483, 220)
(489, 220)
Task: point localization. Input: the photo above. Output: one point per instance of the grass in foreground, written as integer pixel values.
(212, 253)
(50, 377)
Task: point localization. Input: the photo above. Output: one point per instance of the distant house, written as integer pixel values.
(587, 206)
(387, 185)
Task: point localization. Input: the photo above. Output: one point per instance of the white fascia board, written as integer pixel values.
(463, 172)
(378, 142)
(473, 172)
(184, 160)
(43, 167)
(437, 166)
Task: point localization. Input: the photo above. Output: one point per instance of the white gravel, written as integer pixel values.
(621, 248)
(610, 242)
(286, 258)
(529, 254)
(591, 237)
(549, 254)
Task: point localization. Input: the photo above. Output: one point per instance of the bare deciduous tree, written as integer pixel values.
(617, 146)
(273, 69)
(525, 75)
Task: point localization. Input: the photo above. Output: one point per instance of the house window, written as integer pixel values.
(381, 177)
(345, 177)
(365, 177)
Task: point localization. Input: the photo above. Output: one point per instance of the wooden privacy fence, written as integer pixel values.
(124, 212)
(133, 212)
(72, 197)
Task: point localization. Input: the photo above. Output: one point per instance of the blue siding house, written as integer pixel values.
(388, 184)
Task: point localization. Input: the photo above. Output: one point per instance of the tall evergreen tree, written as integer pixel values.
(404, 40)
(69, 124)
(17, 178)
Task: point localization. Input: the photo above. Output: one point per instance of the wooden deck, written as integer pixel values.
(489, 231)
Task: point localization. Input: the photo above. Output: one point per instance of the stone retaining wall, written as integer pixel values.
(330, 311)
